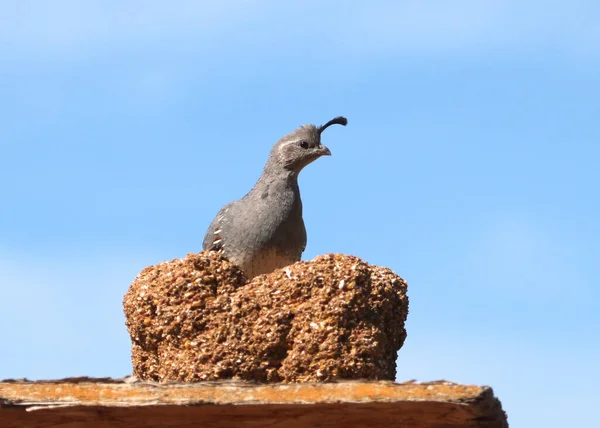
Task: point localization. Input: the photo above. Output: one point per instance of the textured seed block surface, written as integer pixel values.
(198, 318)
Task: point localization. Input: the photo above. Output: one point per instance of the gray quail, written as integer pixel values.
(264, 230)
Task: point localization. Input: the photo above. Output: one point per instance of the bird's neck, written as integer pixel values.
(279, 176)
(277, 181)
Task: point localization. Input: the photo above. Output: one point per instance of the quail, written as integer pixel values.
(264, 230)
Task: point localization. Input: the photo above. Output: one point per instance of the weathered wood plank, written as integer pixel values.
(80, 402)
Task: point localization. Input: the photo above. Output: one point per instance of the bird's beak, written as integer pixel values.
(324, 151)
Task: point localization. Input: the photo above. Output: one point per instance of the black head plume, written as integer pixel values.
(340, 120)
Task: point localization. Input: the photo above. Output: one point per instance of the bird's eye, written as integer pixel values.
(304, 144)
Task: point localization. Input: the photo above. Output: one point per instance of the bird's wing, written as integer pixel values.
(213, 239)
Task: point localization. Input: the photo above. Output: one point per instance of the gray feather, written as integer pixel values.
(264, 230)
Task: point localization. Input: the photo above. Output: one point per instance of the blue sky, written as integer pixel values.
(469, 166)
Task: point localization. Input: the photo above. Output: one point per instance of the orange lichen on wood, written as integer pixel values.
(108, 403)
(232, 392)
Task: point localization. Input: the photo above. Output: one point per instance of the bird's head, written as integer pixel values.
(299, 148)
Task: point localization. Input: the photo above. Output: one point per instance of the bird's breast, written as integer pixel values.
(264, 230)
